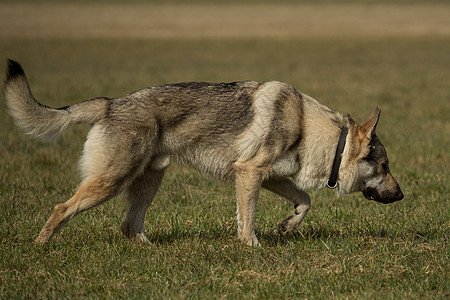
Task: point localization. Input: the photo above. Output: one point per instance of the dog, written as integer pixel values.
(256, 134)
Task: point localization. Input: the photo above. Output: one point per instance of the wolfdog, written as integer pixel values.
(256, 134)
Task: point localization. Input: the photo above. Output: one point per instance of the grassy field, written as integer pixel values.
(347, 247)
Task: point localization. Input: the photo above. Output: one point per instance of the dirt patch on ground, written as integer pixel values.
(221, 21)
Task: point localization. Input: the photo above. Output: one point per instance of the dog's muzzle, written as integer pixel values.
(384, 196)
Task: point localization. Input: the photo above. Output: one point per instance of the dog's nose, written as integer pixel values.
(399, 195)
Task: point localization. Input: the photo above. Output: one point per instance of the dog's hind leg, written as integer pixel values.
(140, 195)
(110, 163)
(302, 202)
(91, 193)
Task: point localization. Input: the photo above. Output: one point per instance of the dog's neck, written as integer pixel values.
(322, 128)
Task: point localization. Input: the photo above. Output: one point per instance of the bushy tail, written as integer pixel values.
(40, 120)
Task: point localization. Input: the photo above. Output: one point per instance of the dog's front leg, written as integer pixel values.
(302, 202)
(248, 184)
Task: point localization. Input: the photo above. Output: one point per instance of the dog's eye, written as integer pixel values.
(384, 166)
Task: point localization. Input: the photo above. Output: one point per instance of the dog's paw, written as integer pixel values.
(253, 243)
(286, 226)
(140, 238)
(283, 228)
(250, 241)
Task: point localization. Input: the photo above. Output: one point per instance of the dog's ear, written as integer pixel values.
(351, 123)
(367, 129)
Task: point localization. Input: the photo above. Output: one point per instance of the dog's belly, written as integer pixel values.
(211, 153)
(219, 164)
(214, 162)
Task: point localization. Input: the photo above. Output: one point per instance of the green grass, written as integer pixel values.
(347, 247)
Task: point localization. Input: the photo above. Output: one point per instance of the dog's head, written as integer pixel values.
(374, 178)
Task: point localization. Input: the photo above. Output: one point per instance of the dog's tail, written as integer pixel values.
(40, 120)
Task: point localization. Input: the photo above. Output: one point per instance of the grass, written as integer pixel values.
(347, 247)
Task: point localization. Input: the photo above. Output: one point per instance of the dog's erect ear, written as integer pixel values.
(367, 129)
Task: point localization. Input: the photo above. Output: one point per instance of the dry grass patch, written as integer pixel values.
(222, 21)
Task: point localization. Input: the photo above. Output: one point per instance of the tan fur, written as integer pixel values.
(256, 134)
(321, 127)
(90, 194)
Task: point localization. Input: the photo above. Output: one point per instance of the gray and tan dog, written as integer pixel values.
(255, 134)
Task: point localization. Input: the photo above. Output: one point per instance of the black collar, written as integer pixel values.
(332, 181)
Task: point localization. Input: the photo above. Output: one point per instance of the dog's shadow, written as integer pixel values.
(269, 238)
(174, 235)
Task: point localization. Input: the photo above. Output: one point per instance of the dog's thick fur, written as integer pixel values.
(255, 134)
